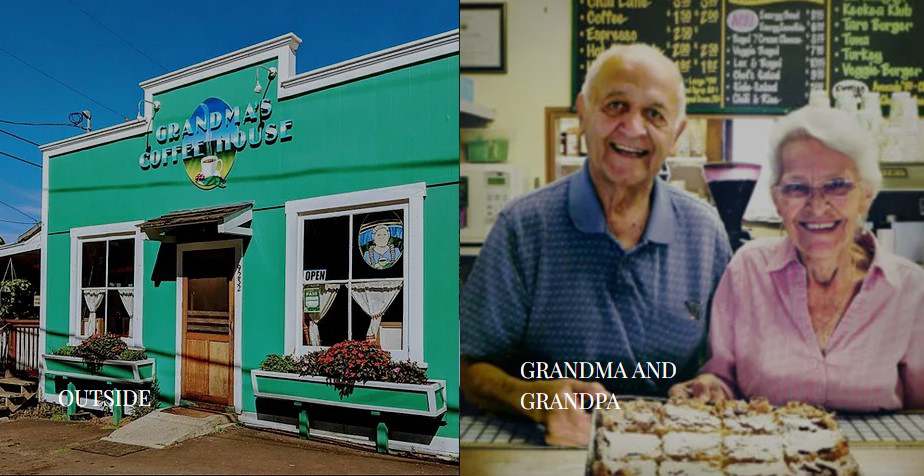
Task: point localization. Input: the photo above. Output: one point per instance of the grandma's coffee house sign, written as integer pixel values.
(208, 142)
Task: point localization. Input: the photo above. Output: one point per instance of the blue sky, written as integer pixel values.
(101, 50)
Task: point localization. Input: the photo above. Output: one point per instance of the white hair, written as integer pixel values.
(836, 130)
(635, 50)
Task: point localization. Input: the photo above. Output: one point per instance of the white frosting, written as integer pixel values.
(627, 445)
(645, 418)
(687, 417)
(690, 468)
(748, 424)
(811, 441)
(775, 468)
(794, 423)
(753, 447)
(691, 444)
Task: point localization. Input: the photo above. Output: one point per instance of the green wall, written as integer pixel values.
(395, 128)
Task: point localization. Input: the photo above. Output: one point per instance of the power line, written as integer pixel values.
(18, 137)
(121, 116)
(18, 123)
(20, 159)
(117, 35)
(34, 220)
(18, 222)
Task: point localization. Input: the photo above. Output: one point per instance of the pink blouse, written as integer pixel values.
(762, 342)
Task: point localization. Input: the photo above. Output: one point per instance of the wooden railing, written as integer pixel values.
(19, 346)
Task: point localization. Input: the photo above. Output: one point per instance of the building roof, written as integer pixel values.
(231, 219)
(195, 216)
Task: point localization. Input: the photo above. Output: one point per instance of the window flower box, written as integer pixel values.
(115, 371)
(410, 399)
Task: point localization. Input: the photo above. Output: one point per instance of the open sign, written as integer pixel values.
(315, 275)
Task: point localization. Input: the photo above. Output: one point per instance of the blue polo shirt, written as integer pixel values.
(553, 284)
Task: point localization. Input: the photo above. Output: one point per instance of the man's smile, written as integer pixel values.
(628, 151)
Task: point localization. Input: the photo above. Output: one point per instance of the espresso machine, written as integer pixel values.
(731, 185)
(897, 214)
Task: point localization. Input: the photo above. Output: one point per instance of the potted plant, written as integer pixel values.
(103, 357)
(354, 374)
(16, 299)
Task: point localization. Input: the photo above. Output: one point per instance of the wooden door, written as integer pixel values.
(208, 326)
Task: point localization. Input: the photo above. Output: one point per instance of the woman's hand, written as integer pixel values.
(705, 387)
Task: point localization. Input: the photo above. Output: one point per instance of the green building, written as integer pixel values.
(251, 211)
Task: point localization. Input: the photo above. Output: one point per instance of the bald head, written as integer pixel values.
(619, 58)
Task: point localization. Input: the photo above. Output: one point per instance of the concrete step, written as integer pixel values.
(160, 429)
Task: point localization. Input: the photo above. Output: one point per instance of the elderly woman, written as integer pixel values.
(824, 315)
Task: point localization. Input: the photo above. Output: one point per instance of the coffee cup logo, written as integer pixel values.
(214, 124)
(211, 166)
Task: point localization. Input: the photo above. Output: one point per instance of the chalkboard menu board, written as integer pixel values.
(763, 56)
(881, 44)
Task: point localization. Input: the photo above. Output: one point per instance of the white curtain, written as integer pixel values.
(128, 300)
(310, 325)
(375, 298)
(93, 298)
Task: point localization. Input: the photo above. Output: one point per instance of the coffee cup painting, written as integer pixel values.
(211, 170)
(381, 243)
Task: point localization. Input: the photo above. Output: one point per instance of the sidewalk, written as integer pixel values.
(46, 447)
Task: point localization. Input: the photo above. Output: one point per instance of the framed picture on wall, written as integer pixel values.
(483, 42)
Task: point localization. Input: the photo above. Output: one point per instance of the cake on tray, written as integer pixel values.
(735, 437)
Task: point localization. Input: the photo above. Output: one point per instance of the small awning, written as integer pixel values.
(222, 220)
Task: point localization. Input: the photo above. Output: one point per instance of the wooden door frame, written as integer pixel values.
(237, 283)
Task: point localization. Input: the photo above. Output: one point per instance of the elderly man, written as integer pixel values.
(608, 265)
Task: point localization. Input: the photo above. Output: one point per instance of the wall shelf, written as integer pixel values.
(474, 115)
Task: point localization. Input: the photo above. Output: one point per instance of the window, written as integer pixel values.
(107, 274)
(354, 270)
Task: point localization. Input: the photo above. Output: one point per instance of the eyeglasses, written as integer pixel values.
(834, 189)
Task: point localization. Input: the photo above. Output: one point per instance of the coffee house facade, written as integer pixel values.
(246, 198)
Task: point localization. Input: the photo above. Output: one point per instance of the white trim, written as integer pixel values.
(216, 66)
(237, 281)
(362, 197)
(439, 445)
(110, 231)
(33, 243)
(106, 135)
(282, 49)
(233, 224)
(43, 271)
(413, 195)
(371, 64)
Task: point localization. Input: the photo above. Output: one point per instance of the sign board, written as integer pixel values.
(763, 56)
(312, 299)
(315, 275)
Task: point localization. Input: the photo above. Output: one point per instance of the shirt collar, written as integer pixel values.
(587, 212)
(884, 263)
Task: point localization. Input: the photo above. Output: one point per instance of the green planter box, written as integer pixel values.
(115, 371)
(427, 399)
